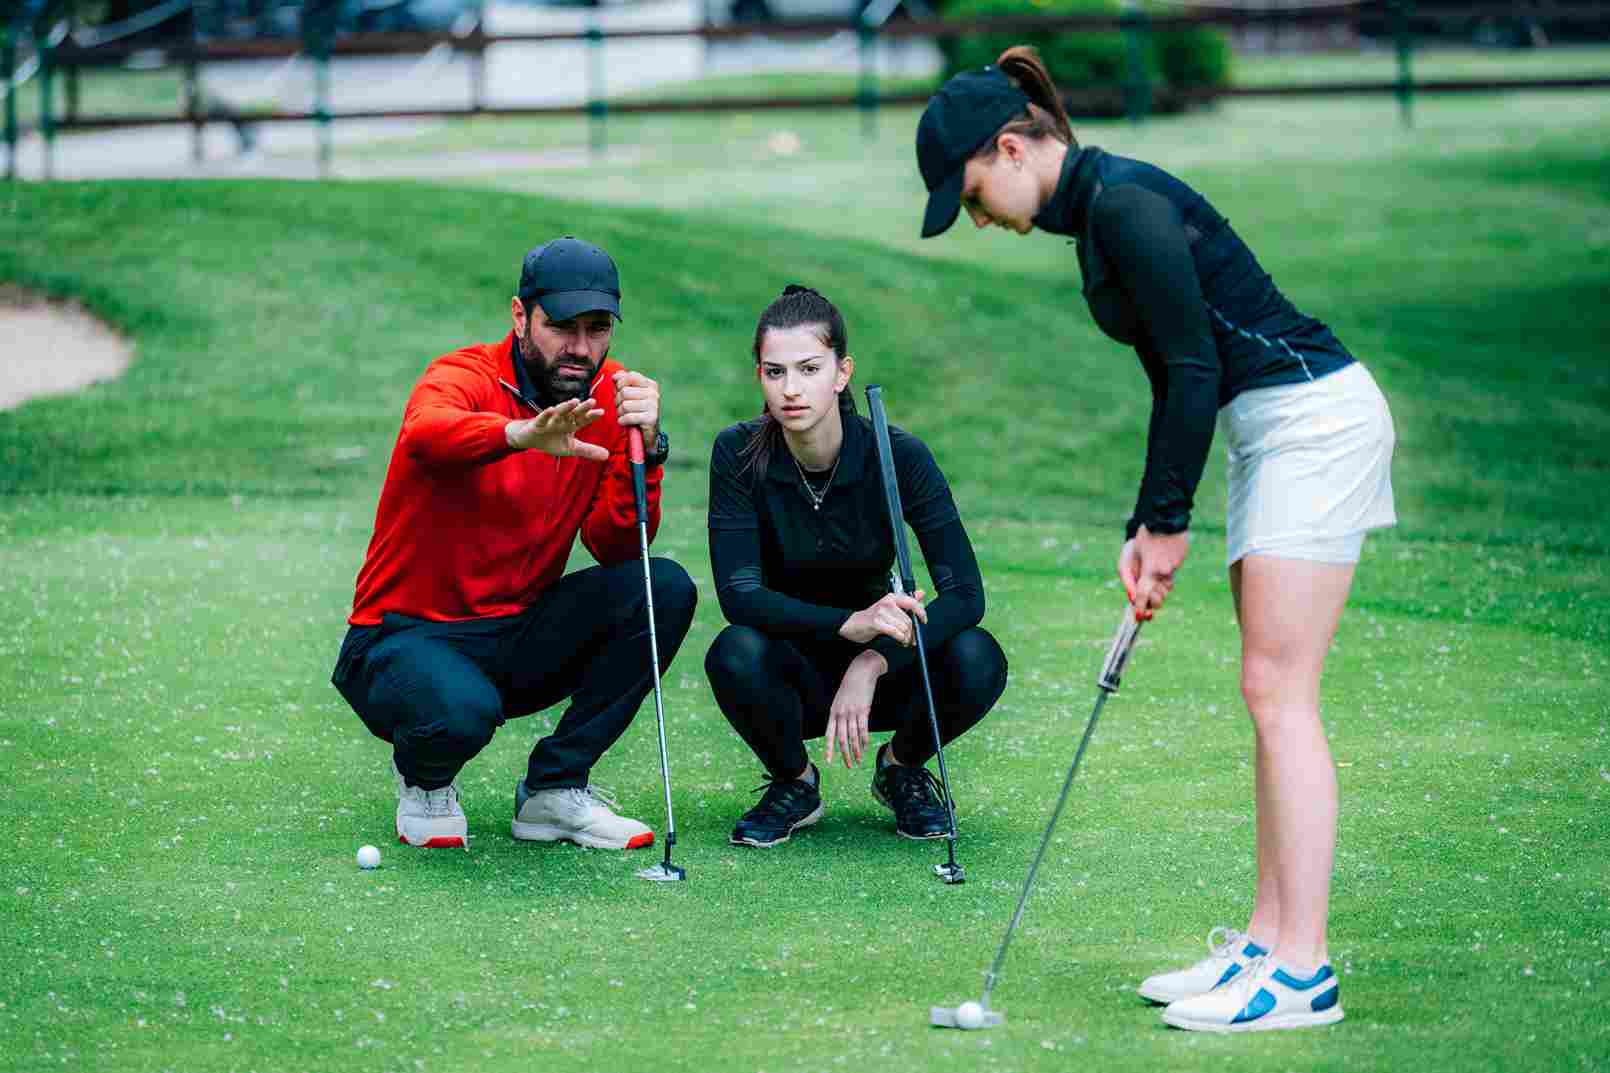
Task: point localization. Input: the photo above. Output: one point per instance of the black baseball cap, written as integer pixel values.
(959, 119)
(569, 277)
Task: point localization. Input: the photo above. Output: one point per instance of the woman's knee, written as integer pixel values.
(736, 660)
(975, 669)
(1274, 688)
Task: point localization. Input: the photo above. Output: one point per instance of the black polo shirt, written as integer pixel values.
(1165, 273)
(788, 568)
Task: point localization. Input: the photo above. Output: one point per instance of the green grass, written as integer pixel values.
(775, 84)
(1372, 61)
(1378, 62)
(184, 791)
(108, 92)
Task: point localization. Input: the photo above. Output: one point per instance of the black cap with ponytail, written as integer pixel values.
(1047, 116)
(965, 120)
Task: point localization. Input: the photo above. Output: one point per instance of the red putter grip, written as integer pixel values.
(634, 452)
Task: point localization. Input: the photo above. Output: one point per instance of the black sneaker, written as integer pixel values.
(916, 799)
(787, 805)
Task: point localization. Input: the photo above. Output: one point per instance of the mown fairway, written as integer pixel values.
(183, 791)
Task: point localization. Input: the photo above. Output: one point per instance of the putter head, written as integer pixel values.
(950, 873)
(945, 1017)
(663, 872)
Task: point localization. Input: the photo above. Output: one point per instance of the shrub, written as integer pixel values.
(1194, 57)
(1190, 58)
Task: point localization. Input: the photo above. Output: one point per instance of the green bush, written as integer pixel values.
(1176, 59)
(1195, 57)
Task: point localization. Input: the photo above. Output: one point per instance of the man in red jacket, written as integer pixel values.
(464, 616)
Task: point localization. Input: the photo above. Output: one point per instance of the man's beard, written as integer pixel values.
(550, 381)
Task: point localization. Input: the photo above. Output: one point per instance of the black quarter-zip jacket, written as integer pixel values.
(1165, 273)
(790, 569)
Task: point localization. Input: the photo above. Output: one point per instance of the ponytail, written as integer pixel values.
(1045, 117)
(796, 307)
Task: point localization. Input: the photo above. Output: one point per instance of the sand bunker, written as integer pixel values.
(53, 348)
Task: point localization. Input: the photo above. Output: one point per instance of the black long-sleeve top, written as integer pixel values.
(790, 569)
(1165, 273)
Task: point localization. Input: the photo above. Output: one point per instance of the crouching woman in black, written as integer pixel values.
(801, 550)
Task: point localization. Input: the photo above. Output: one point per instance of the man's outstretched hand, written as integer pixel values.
(554, 431)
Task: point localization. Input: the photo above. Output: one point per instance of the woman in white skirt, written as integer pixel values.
(1310, 447)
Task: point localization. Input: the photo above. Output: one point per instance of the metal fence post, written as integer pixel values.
(866, 96)
(47, 93)
(8, 70)
(193, 109)
(706, 20)
(1138, 86)
(1401, 11)
(74, 93)
(597, 106)
(70, 107)
(478, 61)
(321, 96)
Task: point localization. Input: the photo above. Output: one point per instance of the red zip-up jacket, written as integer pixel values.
(468, 527)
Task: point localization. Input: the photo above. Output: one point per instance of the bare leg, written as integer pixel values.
(1288, 609)
(1264, 927)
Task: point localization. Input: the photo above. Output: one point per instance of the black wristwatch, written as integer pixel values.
(662, 451)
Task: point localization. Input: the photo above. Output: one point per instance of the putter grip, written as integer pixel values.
(634, 453)
(891, 489)
(1123, 643)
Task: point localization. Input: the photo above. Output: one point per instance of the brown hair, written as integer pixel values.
(796, 307)
(1045, 116)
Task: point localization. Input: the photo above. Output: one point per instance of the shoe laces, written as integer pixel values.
(916, 784)
(595, 797)
(440, 802)
(1243, 985)
(1223, 942)
(780, 793)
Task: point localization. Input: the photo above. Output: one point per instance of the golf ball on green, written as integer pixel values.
(970, 1015)
(369, 857)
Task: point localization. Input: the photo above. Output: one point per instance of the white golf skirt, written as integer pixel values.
(1310, 467)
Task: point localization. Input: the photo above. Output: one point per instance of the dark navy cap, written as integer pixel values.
(569, 277)
(959, 119)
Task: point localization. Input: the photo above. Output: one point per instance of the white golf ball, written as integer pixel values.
(369, 857)
(970, 1015)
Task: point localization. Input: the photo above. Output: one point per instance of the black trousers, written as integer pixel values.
(777, 693)
(438, 690)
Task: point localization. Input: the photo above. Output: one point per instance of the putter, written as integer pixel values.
(1112, 670)
(665, 871)
(903, 580)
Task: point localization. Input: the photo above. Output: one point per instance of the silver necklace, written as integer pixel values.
(816, 499)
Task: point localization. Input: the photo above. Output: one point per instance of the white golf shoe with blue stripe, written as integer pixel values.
(1265, 996)
(1230, 953)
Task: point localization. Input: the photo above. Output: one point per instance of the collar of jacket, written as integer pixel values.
(1067, 211)
(853, 453)
(520, 377)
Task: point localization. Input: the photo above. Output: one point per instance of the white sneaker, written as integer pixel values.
(1231, 953)
(1263, 997)
(430, 818)
(583, 816)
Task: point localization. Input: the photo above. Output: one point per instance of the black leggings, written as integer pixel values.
(777, 693)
